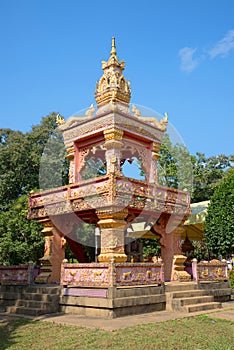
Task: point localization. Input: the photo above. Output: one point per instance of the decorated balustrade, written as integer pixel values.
(17, 275)
(111, 274)
(95, 193)
(213, 270)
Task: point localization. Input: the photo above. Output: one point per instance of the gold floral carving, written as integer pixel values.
(83, 152)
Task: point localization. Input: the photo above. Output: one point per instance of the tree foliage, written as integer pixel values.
(175, 168)
(20, 240)
(219, 226)
(208, 172)
(20, 156)
(199, 174)
(13, 160)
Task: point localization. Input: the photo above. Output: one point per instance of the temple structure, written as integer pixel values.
(122, 208)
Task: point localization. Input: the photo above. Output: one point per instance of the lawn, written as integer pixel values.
(194, 333)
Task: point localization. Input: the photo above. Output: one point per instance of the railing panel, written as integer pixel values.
(113, 274)
(85, 275)
(213, 270)
(17, 275)
(138, 274)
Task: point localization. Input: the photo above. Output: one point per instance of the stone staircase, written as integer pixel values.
(30, 301)
(188, 297)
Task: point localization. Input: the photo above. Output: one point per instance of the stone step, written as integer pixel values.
(201, 307)
(3, 303)
(9, 295)
(36, 304)
(40, 297)
(188, 293)
(179, 286)
(110, 303)
(21, 310)
(39, 289)
(42, 289)
(123, 292)
(177, 303)
(135, 300)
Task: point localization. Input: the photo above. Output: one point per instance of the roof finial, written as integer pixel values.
(113, 48)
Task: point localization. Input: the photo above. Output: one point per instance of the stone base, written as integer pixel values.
(181, 276)
(45, 273)
(113, 302)
(107, 302)
(221, 291)
(178, 272)
(43, 278)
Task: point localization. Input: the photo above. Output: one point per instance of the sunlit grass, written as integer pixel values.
(198, 333)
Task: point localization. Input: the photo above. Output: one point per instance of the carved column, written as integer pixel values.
(54, 253)
(153, 175)
(113, 147)
(112, 225)
(57, 256)
(70, 157)
(167, 254)
(167, 245)
(46, 266)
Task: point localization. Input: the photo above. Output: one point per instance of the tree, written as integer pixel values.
(167, 169)
(20, 159)
(13, 160)
(46, 155)
(175, 165)
(21, 240)
(208, 172)
(219, 225)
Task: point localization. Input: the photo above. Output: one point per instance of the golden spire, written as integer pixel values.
(113, 48)
(113, 87)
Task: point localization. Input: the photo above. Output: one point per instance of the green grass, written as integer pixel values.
(193, 333)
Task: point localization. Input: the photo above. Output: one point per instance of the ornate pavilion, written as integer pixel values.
(122, 208)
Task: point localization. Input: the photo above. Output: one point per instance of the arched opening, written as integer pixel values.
(132, 167)
(81, 244)
(94, 167)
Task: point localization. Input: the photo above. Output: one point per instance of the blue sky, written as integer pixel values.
(179, 58)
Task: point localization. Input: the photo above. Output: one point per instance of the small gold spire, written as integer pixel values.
(112, 87)
(113, 47)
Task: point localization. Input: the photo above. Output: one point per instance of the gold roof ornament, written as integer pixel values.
(59, 120)
(113, 87)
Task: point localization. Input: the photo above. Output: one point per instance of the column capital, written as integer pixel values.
(48, 228)
(156, 147)
(111, 214)
(70, 152)
(113, 134)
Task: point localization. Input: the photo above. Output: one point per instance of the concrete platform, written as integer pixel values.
(227, 312)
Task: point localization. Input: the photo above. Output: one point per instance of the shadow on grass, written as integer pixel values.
(8, 329)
